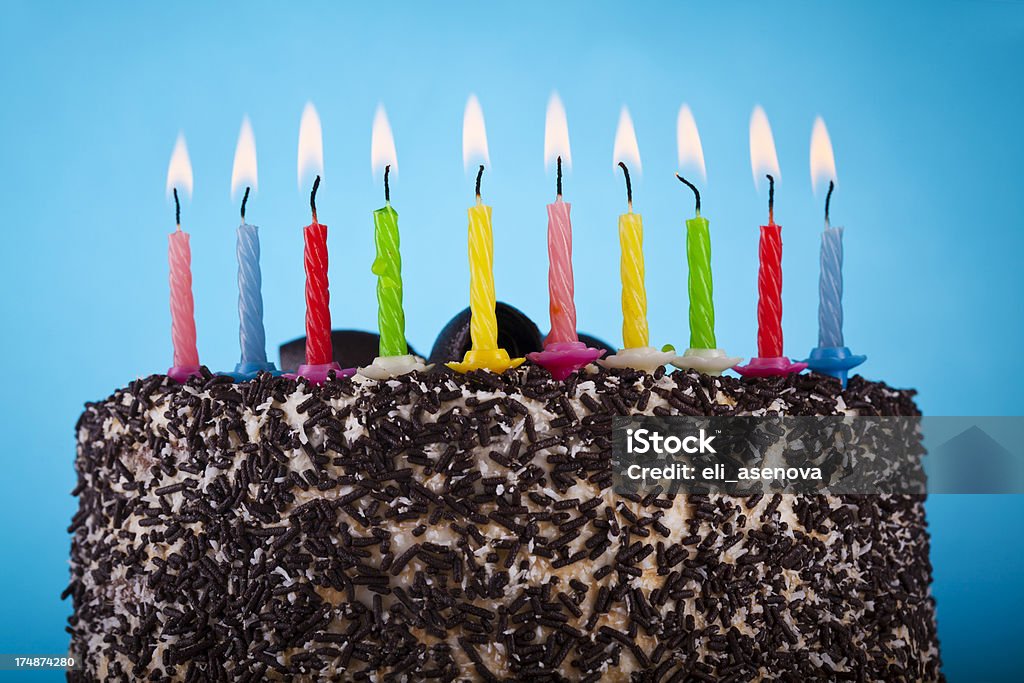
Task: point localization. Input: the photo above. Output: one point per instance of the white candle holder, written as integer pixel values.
(708, 361)
(386, 367)
(646, 358)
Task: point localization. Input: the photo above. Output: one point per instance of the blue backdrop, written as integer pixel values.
(922, 100)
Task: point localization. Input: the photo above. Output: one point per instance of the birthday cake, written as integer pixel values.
(439, 526)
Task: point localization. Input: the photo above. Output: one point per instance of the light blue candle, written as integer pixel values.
(830, 284)
(251, 334)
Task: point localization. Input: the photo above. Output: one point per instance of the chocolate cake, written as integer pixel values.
(451, 527)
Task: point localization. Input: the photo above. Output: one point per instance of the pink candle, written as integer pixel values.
(183, 323)
(560, 280)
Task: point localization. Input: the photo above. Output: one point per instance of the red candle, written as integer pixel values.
(769, 284)
(318, 296)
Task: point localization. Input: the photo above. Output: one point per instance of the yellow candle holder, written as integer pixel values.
(495, 360)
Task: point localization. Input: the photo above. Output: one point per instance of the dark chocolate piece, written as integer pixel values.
(352, 349)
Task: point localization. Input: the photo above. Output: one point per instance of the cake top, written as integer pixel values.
(623, 391)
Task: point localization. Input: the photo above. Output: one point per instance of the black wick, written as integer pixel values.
(828, 200)
(312, 197)
(245, 198)
(558, 178)
(629, 186)
(387, 185)
(771, 199)
(696, 192)
(177, 208)
(479, 175)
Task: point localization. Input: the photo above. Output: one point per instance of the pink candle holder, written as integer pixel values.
(317, 374)
(562, 359)
(770, 367)
(181, 373)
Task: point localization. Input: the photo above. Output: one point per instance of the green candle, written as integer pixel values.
(388, 269)
(698, 258)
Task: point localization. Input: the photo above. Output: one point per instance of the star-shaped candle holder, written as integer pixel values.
(646, 358)
(181, 373)
(249, 370)
(318, 374)
(708, 361)
(562, 359)
(836, 361)
(386, 367)
(770, 367)
(495, 360)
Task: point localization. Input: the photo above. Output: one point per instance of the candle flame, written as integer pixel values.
(474, 136)
(179, 171)
(243, 171)
(556, 134)
(382, 145)
(691, 152)
(763, 159)
(626, 149)
(311, 147)
(823, 161)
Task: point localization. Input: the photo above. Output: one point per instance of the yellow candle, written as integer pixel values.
(634, 293)
(484, 353)
(483, 325)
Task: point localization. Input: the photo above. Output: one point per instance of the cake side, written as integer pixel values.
(450, 526)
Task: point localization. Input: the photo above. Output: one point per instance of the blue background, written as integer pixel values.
(923, 102)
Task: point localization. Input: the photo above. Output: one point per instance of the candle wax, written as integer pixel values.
(183, 322)
(251, 333)
(560, 275)
(483, 325)
(830, 289)
(318, 312)
(387, 266)
(769, 290)
(702, 306)
(634, 292)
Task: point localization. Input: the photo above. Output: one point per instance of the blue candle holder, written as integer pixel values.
(836, 361)
(249, 369)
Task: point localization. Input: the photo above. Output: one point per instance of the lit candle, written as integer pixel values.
(563, 352)
(769, 361)
(179, 257)
(561, 300)
(320, 361)
(387, 265)
(703, 355)
(393, 357)
(483, 324)
(319, 350)
(831, 356)
(252, 337)
(637, 353)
